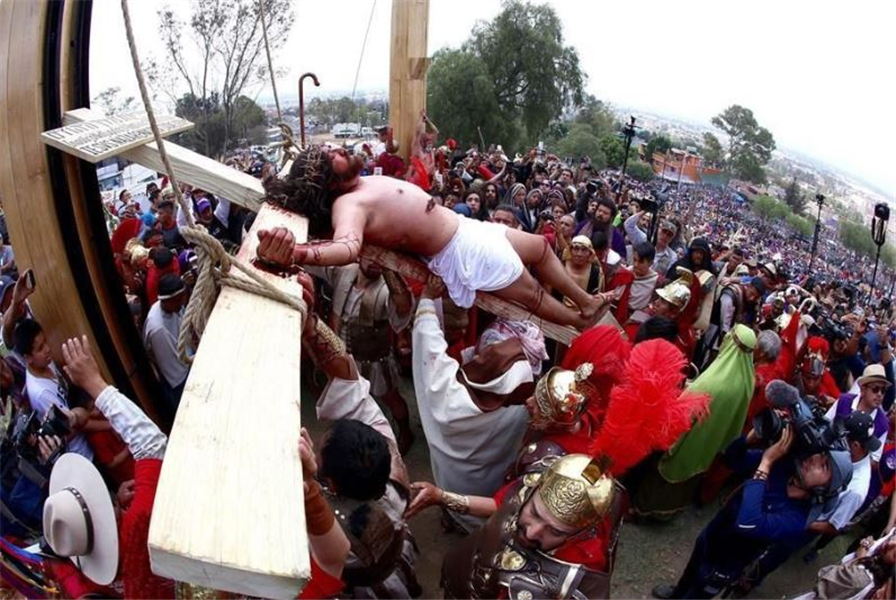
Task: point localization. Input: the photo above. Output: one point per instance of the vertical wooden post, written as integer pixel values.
(409, 62)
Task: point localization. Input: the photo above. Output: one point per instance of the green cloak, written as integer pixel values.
(729, 380)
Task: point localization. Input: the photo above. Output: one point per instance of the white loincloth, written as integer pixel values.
(478, 257)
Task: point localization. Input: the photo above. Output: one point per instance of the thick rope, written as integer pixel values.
(267, 51)
(141, 81)
(215, 270)
(214, 262)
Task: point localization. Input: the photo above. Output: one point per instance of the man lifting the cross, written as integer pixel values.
(324, 185)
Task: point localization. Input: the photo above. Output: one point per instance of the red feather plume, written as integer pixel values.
(647, 411)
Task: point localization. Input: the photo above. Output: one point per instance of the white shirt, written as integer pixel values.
(470, 450)
(43, 393)
(832, 414)
(850, 500)
(160, 338)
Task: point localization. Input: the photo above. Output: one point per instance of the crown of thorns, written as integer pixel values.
(308, 177)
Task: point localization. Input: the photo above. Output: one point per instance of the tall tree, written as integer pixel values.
(229, 48)
(658, 143)
(794, 198)
(580, 143)
(521, 56)
(712, 150)
(750, 146)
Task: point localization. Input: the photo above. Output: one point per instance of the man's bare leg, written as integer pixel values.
(529, 293)
(535, 251)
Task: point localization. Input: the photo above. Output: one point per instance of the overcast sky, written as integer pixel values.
(821, 75)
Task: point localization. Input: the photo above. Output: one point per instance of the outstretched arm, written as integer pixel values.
(279, 246)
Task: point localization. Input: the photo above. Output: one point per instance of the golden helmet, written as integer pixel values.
(676, 293)
(561, 394)
(576, 491)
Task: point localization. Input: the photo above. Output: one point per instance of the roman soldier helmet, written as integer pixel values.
(576, 491)
(678, 292)
(561, 395)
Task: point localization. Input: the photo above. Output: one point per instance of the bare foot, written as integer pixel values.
(595, 311)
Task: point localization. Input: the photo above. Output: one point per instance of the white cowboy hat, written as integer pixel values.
(79, 521)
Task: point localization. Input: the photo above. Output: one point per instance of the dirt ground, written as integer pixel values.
(648, 554)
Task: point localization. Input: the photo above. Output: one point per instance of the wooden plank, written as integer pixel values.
(415, 269)
(100, 139)
(191, 167)
(228, 512)
(407, 69)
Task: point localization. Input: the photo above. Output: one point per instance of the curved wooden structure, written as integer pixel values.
(52, 201)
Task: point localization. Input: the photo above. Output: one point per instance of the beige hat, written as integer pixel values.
(873, 374)
(79, 521)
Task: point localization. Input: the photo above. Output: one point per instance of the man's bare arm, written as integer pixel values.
(349, 221)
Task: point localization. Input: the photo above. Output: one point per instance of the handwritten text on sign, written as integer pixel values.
(97, 140)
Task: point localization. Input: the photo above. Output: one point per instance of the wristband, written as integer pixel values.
(319, 517)
(456, 502)
(760, 475)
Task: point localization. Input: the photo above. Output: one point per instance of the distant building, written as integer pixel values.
(685, 166)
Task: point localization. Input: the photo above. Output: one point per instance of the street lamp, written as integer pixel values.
(819, 198)
(629, 133)
(879, 233)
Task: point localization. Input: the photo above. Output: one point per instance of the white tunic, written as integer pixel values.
(470, 450)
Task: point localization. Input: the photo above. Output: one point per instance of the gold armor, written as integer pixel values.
(576, 491)
(678, 292)
(561, 394)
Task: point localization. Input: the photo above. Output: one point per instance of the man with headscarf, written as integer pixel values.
(670, 487)
(473, 415)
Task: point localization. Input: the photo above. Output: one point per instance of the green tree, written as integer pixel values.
(750, 146)
(521, 57)
(113, 102)
(210, 133)
(712, 150)
(658, 143)
(640, 171)
(598, 116)
(581, 142)
(614, 149)
(461, 96)
(794, 198)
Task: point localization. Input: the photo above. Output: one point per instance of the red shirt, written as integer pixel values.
(321, 584)
(138, 579)
(152, 279)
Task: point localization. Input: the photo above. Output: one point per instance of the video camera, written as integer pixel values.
(28, 427)
(812, 432)
(593, 186)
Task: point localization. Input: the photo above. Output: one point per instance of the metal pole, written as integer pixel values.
(629, 132)
(302, 101)
(874, 275)
(820, 199)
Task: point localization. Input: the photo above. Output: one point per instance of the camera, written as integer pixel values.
(812, 432)
(29, 426)
(593, 186)
(648, 204)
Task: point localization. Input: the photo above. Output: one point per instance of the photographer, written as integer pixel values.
(771, 507)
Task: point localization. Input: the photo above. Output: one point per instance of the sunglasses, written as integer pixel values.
(877, 389)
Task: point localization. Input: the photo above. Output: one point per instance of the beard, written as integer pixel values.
(355, 164)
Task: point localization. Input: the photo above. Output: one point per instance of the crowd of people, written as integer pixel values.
(715, 363)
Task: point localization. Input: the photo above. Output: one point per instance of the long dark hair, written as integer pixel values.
(307, 190)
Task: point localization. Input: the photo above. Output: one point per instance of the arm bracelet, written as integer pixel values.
(456, 502)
